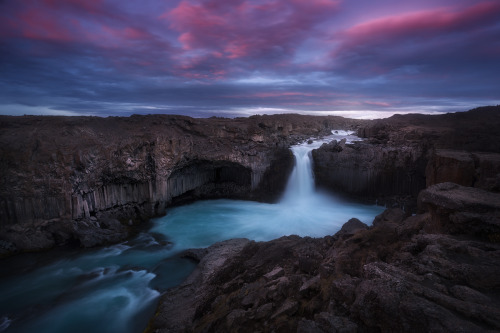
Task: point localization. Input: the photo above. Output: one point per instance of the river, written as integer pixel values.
(116, 288)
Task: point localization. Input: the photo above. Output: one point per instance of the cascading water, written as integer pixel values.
(300, 187)
(114, 289)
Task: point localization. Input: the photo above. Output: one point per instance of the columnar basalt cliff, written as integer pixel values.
(65, 179)
(432, 271)
(375, 171)
(402, 155)
(82, 179)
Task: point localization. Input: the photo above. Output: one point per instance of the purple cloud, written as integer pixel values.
(205, 57)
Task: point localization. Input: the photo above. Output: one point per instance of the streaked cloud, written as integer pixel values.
(215, 57)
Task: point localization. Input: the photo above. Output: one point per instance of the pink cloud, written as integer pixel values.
(50, 20)
(422, 24)
(34, 24)
(110, 36)
(427, 38)
(244, 29)
(92, 26)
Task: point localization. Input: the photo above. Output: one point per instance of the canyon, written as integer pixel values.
(85, 180)
(430, 267)
(428, 263)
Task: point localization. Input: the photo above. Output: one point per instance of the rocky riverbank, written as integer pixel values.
(436, 271)
(84, 181)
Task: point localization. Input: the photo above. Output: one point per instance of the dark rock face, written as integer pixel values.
(62, 173)
(481, 170)
(372, 171)
(401, 155)
(208, 179)
(401, 275)
(178, 305)
(457, 209)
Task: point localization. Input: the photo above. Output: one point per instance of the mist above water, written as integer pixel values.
(302, 211)
(115, 289)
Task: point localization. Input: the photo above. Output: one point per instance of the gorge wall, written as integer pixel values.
(432, 271)
(65, 179)
(82, 180)
(401, 155)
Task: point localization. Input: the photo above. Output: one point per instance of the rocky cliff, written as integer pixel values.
(386, 173)
(65, 179)
(474, 169)
(401, 155)
(430, 272)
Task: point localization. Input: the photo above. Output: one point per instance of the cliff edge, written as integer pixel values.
(85, 180)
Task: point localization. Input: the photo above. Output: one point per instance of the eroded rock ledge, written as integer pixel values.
(401, 275)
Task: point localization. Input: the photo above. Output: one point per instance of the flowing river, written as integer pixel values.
(116, 288)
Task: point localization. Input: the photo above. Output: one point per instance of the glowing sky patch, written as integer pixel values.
(217, 57)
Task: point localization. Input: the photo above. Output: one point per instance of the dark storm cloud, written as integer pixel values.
(214, 57)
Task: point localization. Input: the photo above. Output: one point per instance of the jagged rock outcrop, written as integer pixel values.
(61, 173)
(401, 275)
(178, 305)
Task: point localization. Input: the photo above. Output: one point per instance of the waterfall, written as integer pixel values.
(300, 185)
(114, 289)
(300, 189)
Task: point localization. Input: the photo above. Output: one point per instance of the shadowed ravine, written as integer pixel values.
(115, 289)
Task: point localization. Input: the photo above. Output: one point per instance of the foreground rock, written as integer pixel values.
(402, 274)
(178, 305)
(458, 209)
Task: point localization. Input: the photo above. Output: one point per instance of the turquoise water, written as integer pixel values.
(116, 288)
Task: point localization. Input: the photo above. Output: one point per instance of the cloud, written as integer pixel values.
(216, 35)
(201, 57)
(419, 43)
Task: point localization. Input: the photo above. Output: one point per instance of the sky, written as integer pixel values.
(202, 58)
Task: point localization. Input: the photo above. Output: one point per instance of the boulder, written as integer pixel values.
(350, 227)
(389, 216)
